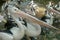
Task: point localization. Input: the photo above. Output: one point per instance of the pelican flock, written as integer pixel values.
(15, 28)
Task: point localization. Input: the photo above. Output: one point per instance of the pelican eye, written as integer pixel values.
(15, 10)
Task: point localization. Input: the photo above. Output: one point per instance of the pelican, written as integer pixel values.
(32, 29)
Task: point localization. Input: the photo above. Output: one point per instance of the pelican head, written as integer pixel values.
(12, 9)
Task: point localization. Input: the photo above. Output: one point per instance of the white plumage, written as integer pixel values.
(32, 29)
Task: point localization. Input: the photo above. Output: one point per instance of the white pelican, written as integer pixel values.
(32, 29)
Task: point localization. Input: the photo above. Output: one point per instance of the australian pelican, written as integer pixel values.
(32, 29)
